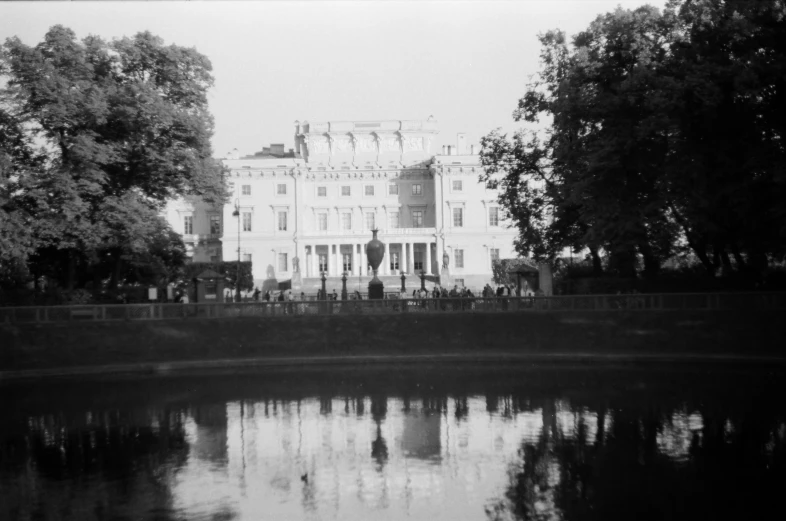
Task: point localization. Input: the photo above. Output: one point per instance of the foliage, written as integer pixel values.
(501, 270)
(663, 128)
(124, 127)
(226, 268)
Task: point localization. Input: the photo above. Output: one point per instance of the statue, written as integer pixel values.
(444, 277)
(297, 278)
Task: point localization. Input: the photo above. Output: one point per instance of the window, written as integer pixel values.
(322, 221)
(370, 221)
(459, 254)
(346, 191)
(282, 262)
(494, 255)
(459, 282)
(392, 189)
(347, 262)
(246, 189)
(281, 189)
(246, 221)
(323, 262)
(322, 191)
(215, 224)
(394, 261)
(417, 189)
(418, 259)
(494, 216)
(188, 224)
(394, 220)
(282, 221)
(458, 217)
(369, 189)
(246, 257)
(346, 221)
(458, 186)
(417, 218)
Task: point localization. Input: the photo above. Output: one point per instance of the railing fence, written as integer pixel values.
(156, 311)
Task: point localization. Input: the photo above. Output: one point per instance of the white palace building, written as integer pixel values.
(313, 210)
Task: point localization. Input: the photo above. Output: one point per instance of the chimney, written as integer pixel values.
(444, 150)
(472, 149)
(461, 141)
(450, 150)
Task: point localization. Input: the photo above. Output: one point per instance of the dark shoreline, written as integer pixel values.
(162, 347)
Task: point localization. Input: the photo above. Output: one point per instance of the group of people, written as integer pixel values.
(288, 299)
(440, 292)
(501, 291)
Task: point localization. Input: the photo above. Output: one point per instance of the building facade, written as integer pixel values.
(314, 212)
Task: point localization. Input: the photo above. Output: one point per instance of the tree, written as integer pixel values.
(125, 127)
(725, 172)
(662, 128)
(590, 182)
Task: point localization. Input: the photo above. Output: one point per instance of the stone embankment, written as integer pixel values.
(90, 347)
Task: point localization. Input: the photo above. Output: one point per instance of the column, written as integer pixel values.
(357, 251)
(410, 257)
(334, 257)
(428, 258)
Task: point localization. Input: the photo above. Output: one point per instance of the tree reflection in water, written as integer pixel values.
(724, 466)
(83, 467)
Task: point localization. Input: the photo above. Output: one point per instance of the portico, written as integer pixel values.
(408, 254)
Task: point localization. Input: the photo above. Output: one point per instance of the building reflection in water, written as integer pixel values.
(502, 456)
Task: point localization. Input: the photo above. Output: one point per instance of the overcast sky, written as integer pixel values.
(465, 63)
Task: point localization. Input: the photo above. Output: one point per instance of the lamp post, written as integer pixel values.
(236, 213)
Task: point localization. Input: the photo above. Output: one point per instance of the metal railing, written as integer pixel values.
(156, 311)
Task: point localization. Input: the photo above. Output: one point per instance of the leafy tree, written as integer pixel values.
(125, 127)
(725, 171)
(662, 127)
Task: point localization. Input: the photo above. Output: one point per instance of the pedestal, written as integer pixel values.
(297, 281)
(445, 279)
(376, 290)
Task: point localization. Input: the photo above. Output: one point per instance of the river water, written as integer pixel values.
(525, 442)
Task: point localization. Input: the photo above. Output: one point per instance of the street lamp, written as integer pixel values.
(236, 213)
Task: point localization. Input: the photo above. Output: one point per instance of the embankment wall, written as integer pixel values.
(700, 332)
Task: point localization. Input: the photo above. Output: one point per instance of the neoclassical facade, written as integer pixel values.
(314, 213)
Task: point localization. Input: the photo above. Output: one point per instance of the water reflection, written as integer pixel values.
(500, 447)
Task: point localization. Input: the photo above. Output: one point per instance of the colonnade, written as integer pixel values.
(335, 251)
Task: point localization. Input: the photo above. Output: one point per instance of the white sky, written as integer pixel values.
(465, 63)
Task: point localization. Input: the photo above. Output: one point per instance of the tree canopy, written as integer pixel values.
(665, 132)
(95, 137)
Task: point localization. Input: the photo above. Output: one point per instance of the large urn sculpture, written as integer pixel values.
(375, 252)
